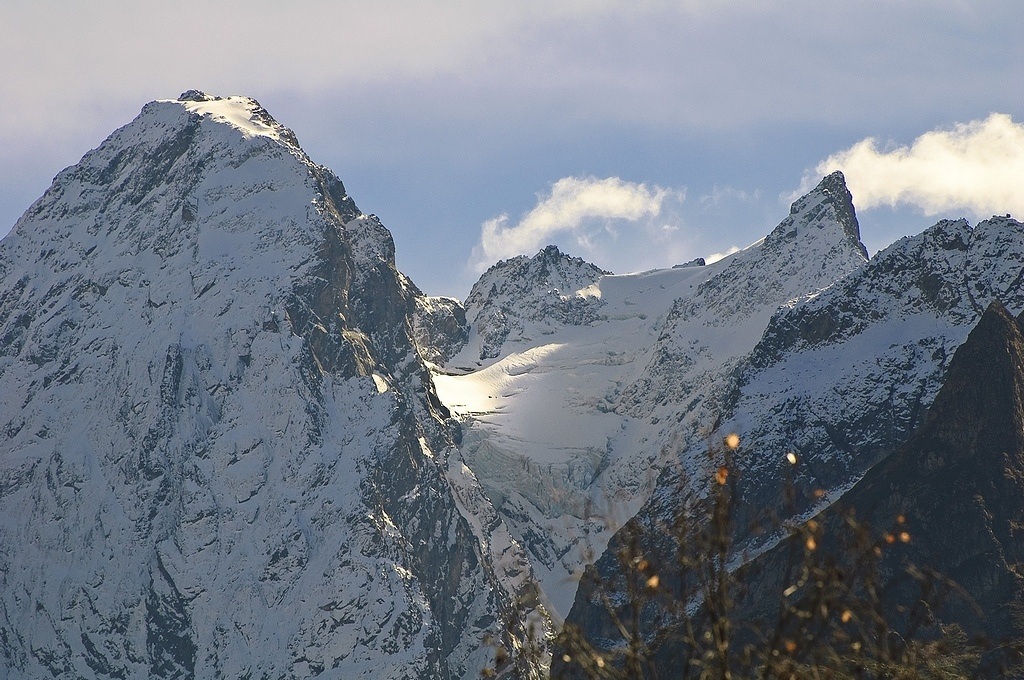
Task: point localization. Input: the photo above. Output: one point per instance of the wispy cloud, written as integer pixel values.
(976, 167)
(727, 194)
(587, 209)
(715, 257)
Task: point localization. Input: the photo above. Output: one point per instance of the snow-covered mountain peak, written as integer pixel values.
(221, 211)
(221, 455)
(817, 244)
(549, 272)
(243, 113)
(215, 180)
(525, 296)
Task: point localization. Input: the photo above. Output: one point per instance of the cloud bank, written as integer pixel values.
(976, 167)
(587, 209)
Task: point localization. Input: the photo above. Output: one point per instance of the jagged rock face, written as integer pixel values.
(816, 245)
(220, 455)
(440, 328)
(959, 482)
(956, 488)
(549, 289)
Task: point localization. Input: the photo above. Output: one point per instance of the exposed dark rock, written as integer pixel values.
(959, 483)
(440, 328)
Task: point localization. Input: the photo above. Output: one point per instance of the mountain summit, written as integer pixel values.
(517, 297)
(830, 201)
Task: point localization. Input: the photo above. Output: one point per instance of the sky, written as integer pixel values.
(634, 134)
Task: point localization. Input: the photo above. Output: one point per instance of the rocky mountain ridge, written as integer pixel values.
(886, 334)
(957, 484)
(576, 416)
(952, 497)
(519, 297)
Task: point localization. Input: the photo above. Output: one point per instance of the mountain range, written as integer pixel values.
(238, 442)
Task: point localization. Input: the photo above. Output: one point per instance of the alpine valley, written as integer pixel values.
(237, 442)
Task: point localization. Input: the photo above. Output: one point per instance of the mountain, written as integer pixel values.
(222, 455)
(238, 442)
(954, 494)
(597, 381)
(939, 517)
(844, 376)
(518, 298)
(884, 335)
(439, 328)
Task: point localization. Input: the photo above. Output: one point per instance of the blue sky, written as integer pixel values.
(636, 134)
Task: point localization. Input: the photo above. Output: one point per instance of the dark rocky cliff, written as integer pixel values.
(958, 483)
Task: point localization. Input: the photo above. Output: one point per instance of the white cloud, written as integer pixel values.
(589, 210)
(715, 257)
(976, 166)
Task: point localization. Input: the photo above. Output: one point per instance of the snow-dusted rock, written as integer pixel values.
(519, 298)
(883, 336)
(221, 454)
(439, 327)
